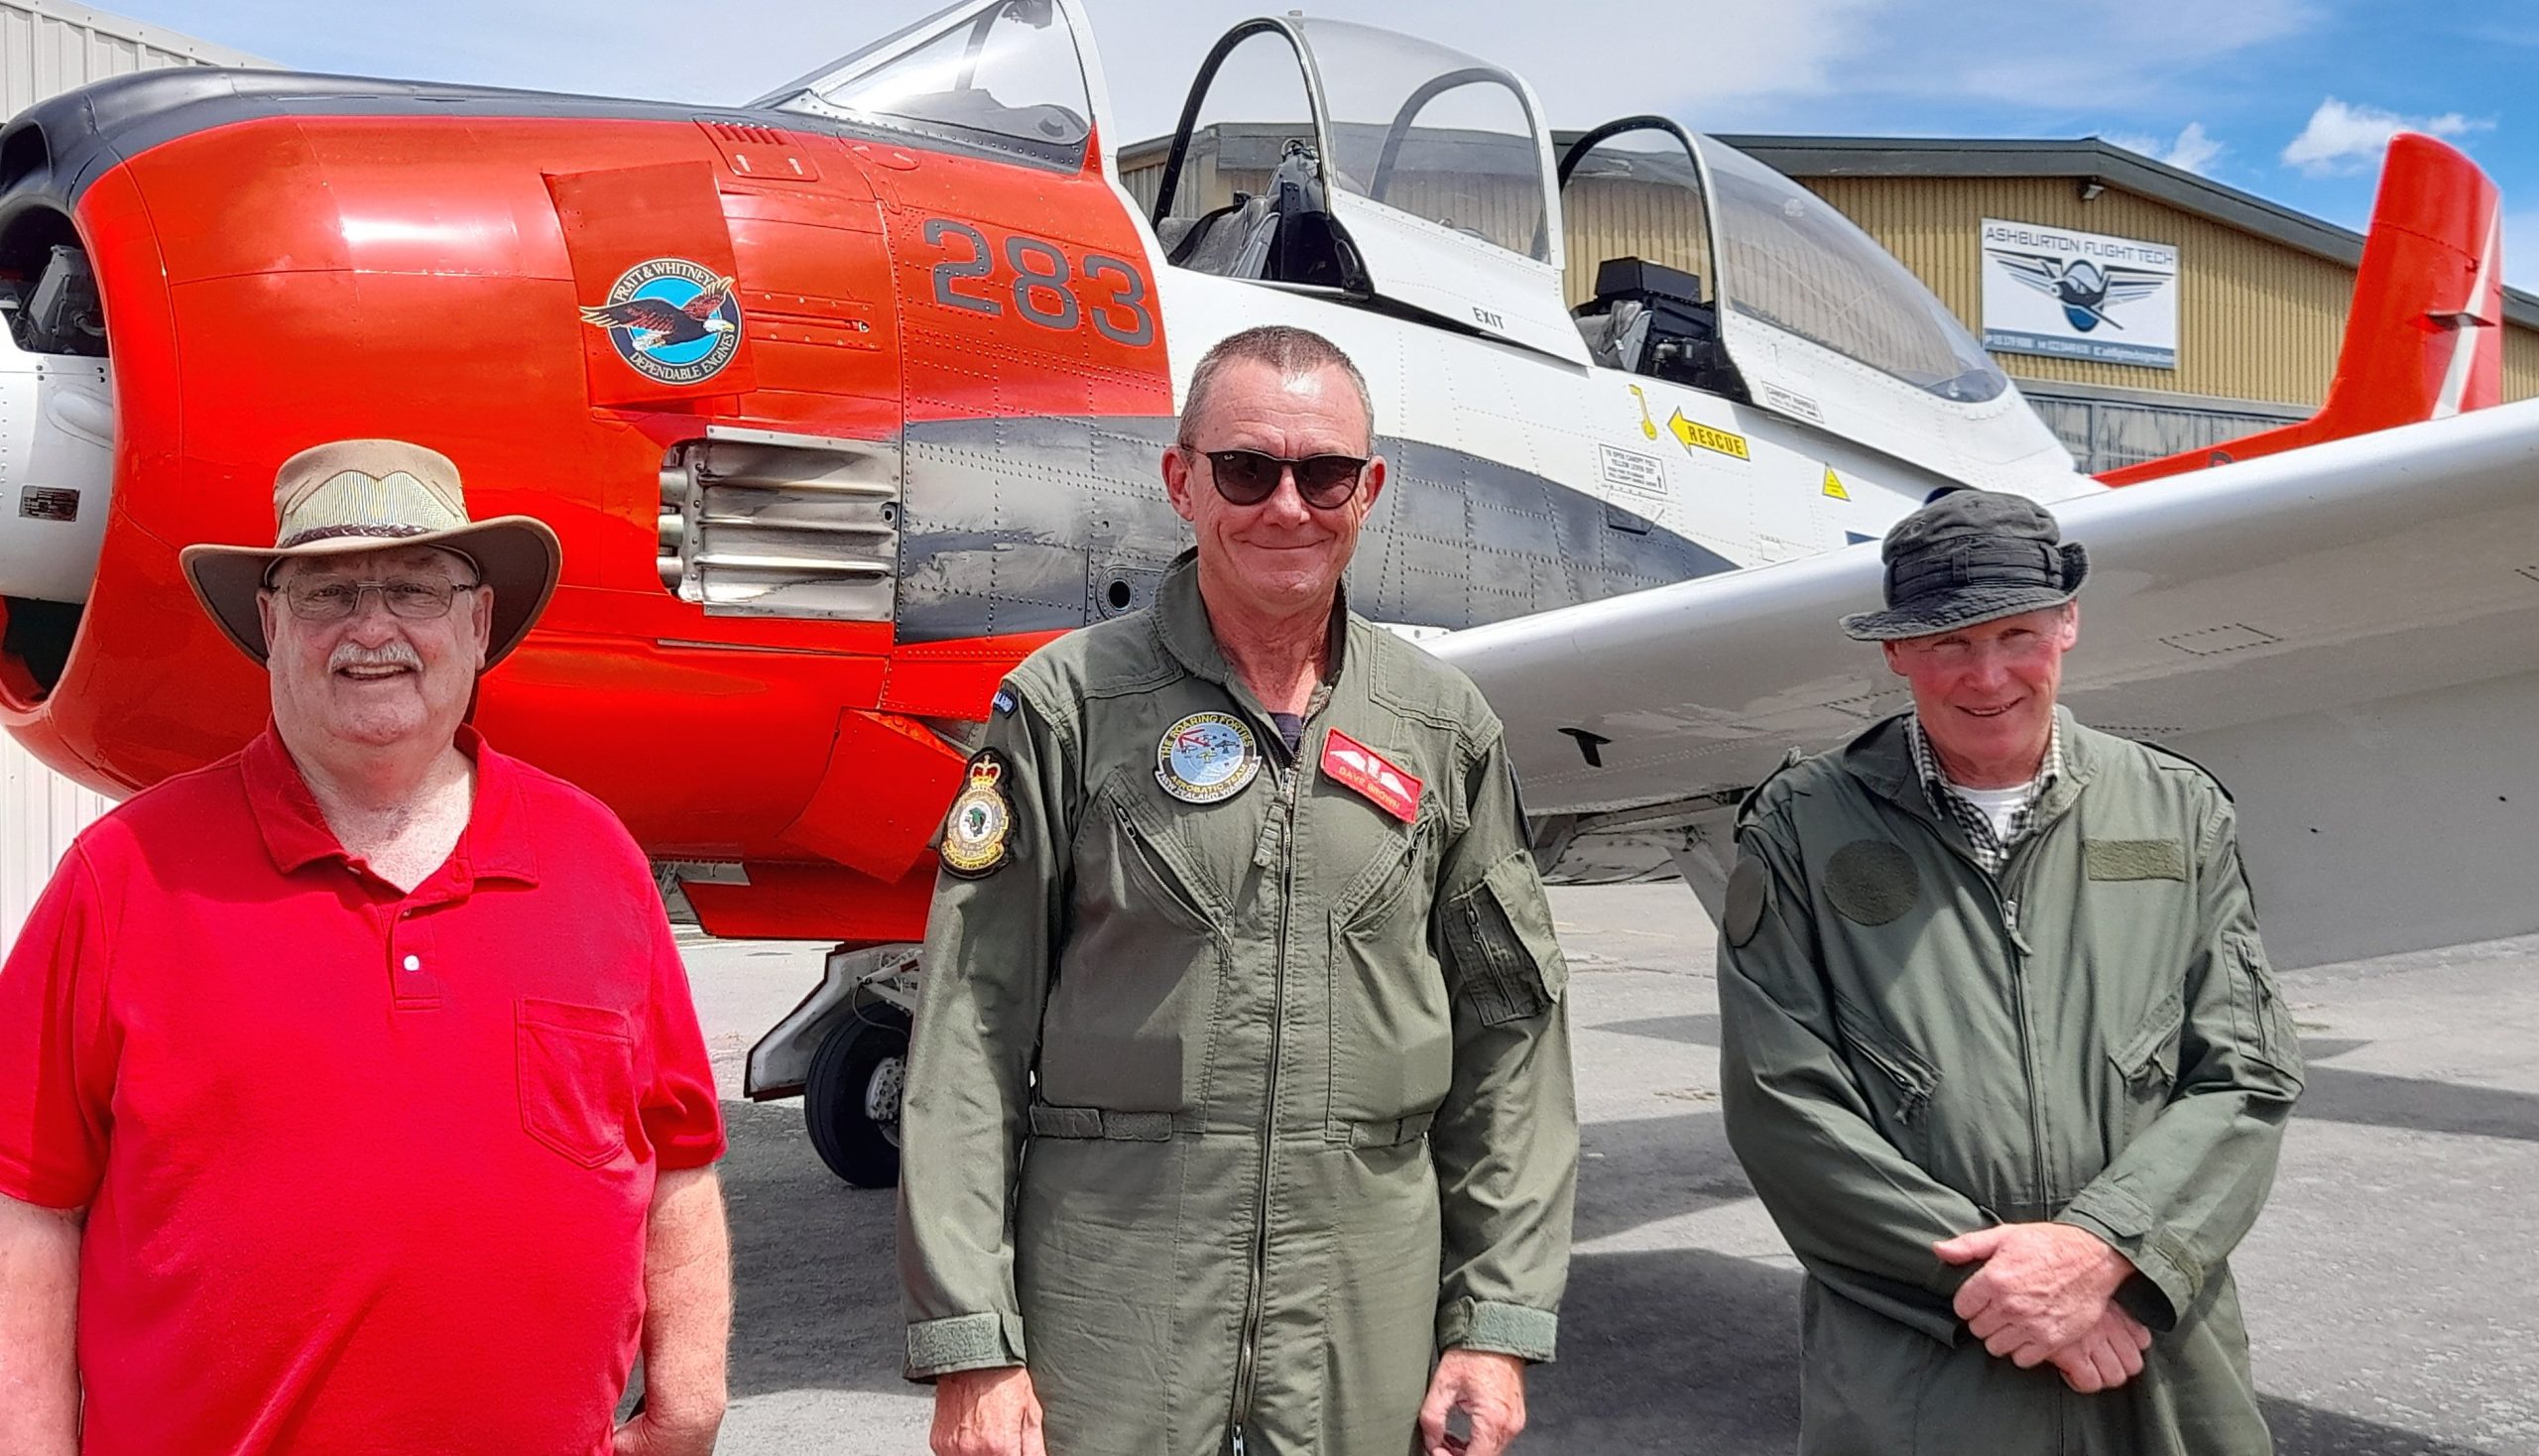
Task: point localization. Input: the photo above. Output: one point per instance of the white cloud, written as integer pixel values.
(2195, 149)
(2342, 139)
(2019, 53)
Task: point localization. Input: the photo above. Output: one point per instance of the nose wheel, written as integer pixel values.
(851, 1099)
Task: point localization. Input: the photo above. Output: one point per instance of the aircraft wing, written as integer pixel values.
(2354, 626)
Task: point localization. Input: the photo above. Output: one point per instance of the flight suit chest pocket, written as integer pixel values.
(1131, 1020)
(1393, 1050)
(1898, 1081)
(577, 1069)
(1384, 885)
(1146, 867)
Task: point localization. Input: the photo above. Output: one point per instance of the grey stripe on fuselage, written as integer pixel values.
(1035, 525)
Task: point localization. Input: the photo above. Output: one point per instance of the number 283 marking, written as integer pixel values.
(1041, 291)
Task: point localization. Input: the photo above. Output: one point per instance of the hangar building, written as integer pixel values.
(2249, 331)
(47, 47)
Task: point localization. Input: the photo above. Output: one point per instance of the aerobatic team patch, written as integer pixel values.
(1352, 764)
(978, 833)
(1206, 757)
(671, 319)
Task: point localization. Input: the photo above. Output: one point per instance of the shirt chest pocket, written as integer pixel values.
(577, 1068)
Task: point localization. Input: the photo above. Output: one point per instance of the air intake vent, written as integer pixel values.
(733, 131)
(766, 525)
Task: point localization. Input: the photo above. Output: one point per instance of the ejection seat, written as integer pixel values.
(1282, 235)
(1649, 318)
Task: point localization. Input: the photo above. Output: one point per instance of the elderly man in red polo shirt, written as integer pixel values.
(351, 1098)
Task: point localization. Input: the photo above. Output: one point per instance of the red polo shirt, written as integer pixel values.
(366, 1172)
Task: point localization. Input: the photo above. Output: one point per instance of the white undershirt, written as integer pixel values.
(1998, 805)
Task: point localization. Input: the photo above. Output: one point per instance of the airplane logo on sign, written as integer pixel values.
(2084, 288)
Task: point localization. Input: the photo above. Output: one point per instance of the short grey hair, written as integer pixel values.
(1294, 352)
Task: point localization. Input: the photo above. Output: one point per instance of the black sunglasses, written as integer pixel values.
(1249, 477)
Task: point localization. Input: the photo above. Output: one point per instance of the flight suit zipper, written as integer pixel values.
(2005, 899)
(1248, 1354)
(2006, 908)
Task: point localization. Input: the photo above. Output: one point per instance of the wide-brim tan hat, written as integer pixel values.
(368, 495)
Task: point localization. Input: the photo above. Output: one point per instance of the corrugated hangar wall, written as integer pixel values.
(46, 48)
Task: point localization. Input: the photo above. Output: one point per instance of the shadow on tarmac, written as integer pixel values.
(1680, 1350)
(2330, 1094)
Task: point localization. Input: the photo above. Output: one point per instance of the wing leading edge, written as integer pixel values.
(2279, 619)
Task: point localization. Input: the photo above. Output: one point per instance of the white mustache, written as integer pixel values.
(386, 655)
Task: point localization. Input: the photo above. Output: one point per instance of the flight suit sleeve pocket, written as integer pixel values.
(577, 1069)
(2264, 1020)
(1499, 935)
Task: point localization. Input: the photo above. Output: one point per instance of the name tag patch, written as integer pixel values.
(2133, 859)
(1352, 765)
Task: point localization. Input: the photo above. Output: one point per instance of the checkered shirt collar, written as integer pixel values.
(1991, 848)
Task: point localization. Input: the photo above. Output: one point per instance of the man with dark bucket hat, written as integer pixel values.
(2001, 1050)
(351, 1098)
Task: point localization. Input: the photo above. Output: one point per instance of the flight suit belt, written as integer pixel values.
(1097, 1123)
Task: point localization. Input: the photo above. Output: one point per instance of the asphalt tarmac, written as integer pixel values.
(2392, 1288)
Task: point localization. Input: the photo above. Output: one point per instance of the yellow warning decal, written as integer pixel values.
(1648, 425)
(1834, 485)
(1697, 436)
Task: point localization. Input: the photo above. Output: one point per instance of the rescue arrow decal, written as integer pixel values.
(1697, 436)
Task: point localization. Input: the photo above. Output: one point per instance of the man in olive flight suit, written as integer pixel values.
(1238, 1116)
(2001, 1052)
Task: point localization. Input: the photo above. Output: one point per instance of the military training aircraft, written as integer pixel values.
(845, 400)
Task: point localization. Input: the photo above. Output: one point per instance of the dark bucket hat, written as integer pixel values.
(1969, 556)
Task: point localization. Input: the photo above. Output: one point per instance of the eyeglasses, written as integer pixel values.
(336, 598)
(1249, 477)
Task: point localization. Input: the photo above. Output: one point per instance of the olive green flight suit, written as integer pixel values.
(1912, 1049)
(1237, 1111)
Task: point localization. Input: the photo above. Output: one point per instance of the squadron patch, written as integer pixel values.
(978, 831)
(1206, 758)
(1750, 893)
(1871, 882)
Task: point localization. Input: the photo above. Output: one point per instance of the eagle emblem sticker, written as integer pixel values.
(978, 831)
(1206, 757)
(671, 319)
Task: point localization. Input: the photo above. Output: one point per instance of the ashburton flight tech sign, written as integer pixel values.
(2079, 295)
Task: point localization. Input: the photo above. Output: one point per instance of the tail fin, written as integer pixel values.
(2425, 337)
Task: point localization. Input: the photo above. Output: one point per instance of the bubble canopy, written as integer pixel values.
(1788, 259)
(1001, 77)
(1432, 132)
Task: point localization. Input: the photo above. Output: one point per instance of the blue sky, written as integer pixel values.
(2289, 99)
